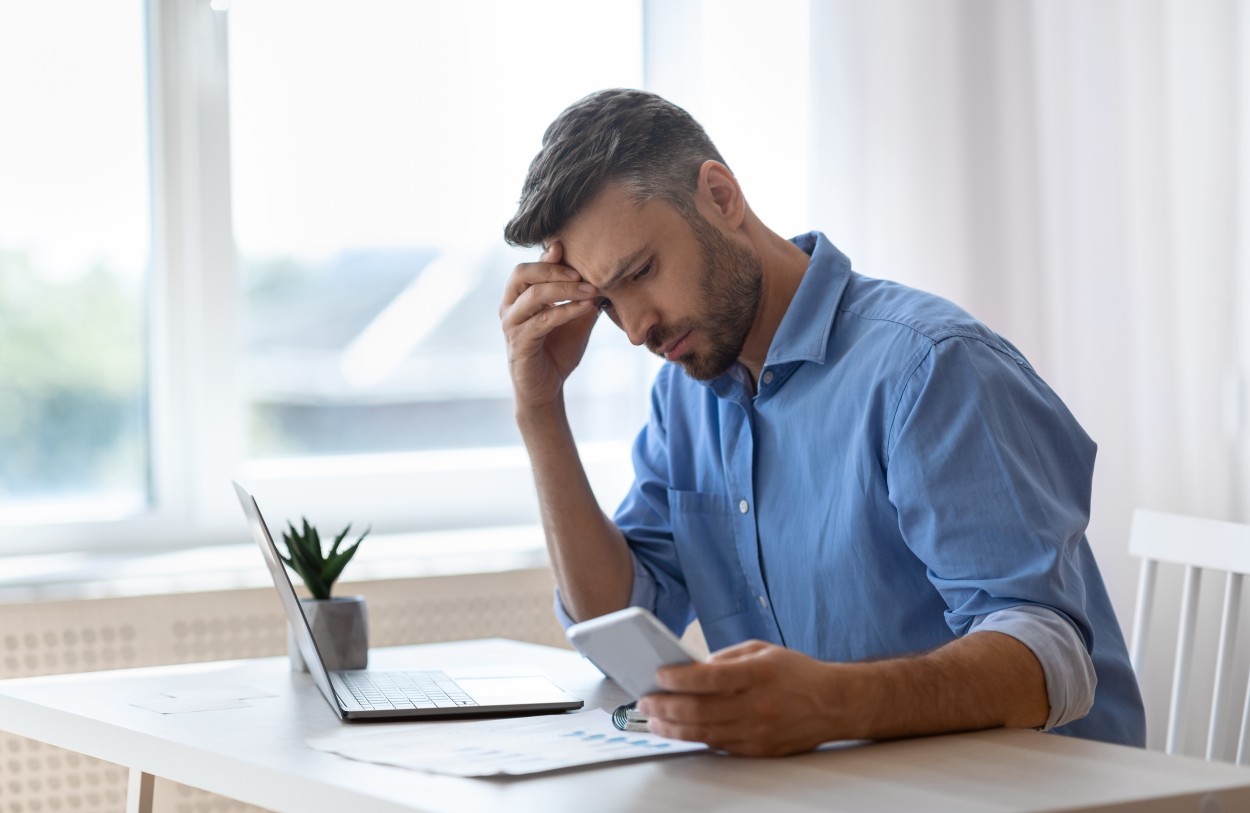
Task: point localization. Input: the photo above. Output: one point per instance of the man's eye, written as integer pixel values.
(643, 272)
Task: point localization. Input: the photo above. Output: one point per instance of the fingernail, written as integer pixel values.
(571, 274)
(644, 707)
(586, 286)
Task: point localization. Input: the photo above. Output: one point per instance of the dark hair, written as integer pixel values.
(650, 144)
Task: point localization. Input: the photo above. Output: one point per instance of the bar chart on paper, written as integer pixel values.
(513, 746)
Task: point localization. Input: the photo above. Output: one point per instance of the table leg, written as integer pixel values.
(142, 788)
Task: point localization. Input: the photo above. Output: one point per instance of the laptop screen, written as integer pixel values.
(286, 592)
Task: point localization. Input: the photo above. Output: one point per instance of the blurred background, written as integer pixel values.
(261, 239)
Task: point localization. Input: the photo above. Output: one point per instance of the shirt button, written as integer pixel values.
(764, 602)
(768, 378)
(744, 506)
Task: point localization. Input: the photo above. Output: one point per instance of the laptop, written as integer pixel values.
(366, 694)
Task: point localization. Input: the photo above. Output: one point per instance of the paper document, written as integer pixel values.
(511, 746)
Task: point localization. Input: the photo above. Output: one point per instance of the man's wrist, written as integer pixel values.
(542, 419)
(854, 700)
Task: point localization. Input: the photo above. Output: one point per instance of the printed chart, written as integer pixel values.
(513, 746)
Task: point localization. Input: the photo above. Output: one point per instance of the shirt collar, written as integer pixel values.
(804, 331)
(803, 334)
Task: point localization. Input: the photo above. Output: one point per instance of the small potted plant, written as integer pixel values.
(340, 626)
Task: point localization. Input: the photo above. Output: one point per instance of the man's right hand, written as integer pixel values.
(546, 341)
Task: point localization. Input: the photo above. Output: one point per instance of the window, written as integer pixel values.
(261, 239)
(74, 262)
(376, 155)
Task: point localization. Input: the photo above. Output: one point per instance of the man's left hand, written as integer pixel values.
(752, 699)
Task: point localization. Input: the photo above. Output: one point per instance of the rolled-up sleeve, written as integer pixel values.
(642, 595)
(1069, 670)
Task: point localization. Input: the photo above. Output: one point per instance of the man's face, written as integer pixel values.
(683, 288)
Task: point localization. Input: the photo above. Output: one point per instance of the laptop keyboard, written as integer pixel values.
(405, 690)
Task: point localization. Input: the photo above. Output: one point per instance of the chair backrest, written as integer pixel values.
(1197, 544)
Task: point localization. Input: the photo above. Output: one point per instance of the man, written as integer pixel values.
(871, 502)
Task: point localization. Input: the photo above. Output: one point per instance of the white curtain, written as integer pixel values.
(1072, 172)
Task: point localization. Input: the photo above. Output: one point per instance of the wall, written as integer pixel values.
(1070, 172)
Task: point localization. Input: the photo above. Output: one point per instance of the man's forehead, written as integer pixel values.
(604, 263)
(601, 253)
(613, 232)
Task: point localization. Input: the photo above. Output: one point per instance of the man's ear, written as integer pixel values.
(718, 190)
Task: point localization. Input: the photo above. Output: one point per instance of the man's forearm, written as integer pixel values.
(760, 699)
(591, 561)
(983, 680)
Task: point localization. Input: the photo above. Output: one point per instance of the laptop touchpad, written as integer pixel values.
(526, 689)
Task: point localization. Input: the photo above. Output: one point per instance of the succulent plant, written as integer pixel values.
(305, 556)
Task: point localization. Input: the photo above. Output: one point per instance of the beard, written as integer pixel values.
(730, 282)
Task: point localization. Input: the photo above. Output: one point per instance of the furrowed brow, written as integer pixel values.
(624, 267)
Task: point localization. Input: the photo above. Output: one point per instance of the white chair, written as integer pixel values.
(1198, 544)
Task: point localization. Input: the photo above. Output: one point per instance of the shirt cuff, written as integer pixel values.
(1069, 670)
(642, 595)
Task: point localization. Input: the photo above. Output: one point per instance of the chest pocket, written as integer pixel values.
(703, 532)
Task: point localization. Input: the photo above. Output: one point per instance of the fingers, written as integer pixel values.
(752, 699)
(724, 729)
(528, 275)
(547, 314)
(538, 298)
(706, 700)
(543, 296)
(722, 737)
(547, 270)
(739, 651)
(692, 709)
(527, 337)
(733, 669)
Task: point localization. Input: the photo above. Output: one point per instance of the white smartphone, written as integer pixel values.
(629, 646)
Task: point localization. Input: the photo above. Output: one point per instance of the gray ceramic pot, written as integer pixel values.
(341, 629)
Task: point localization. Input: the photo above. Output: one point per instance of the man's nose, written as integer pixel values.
(637, 322)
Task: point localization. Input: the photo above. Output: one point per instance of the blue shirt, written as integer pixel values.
(901, 473)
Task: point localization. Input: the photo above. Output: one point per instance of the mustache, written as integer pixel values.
(658, 337)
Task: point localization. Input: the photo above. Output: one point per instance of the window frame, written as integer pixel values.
(197, 419)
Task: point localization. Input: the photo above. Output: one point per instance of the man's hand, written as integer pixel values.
(753, 699)
(547, 313)
(758, 699)
(546, 340)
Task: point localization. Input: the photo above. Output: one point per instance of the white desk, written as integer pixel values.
(257, 755)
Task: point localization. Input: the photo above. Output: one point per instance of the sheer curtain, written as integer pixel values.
(1073, 173)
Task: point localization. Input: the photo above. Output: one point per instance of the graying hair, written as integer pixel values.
(649, 144)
